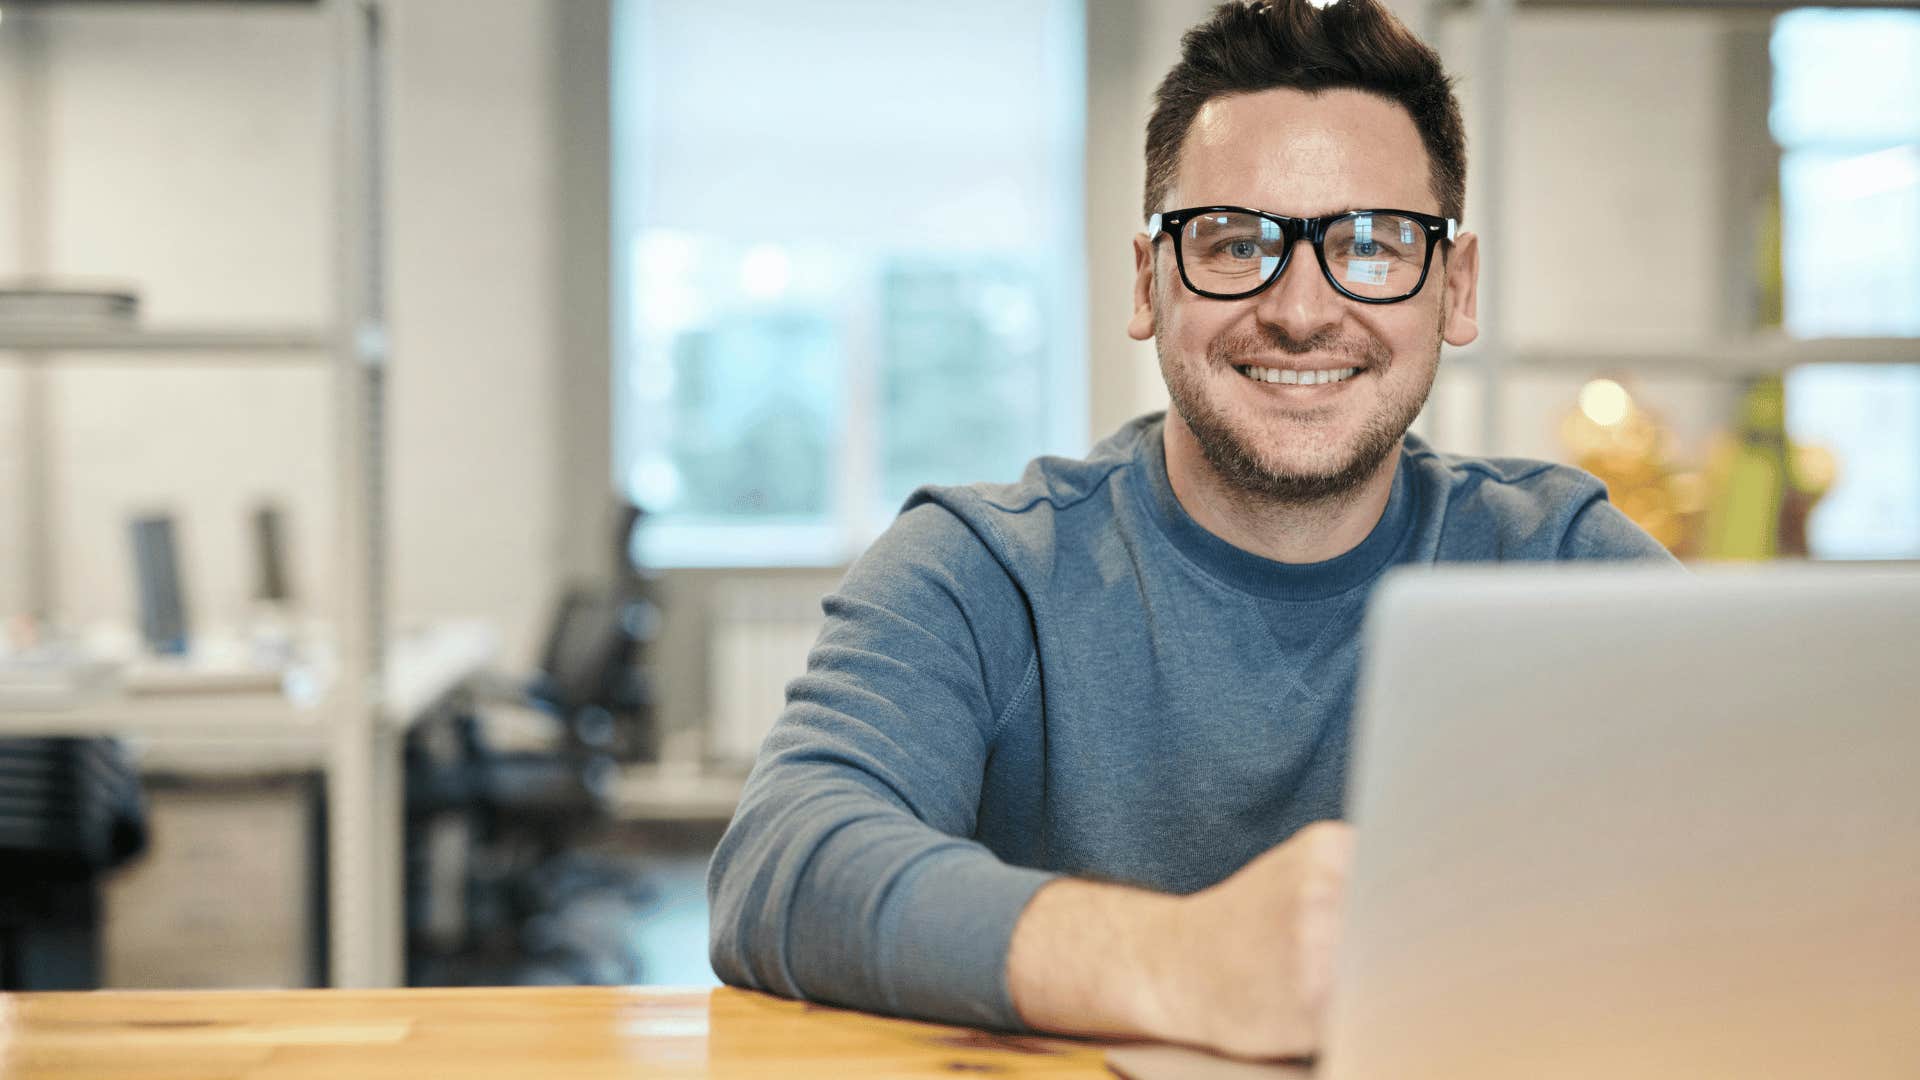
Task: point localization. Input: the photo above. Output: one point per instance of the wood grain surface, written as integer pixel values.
(544, 1033)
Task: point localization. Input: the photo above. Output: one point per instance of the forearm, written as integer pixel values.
(1093, 959)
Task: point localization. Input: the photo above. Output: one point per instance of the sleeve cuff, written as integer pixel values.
(945, 935)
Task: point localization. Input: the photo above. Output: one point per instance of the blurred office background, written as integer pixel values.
(341, 341)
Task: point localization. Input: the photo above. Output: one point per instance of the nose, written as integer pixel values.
(1302, 303)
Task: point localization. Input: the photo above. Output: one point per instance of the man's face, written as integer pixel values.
(1301, 155)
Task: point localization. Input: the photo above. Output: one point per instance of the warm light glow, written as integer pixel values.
(1605, 402)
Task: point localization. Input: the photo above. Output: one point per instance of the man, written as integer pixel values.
(1070, 753)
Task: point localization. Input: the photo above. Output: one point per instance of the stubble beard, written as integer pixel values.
(1232, 452)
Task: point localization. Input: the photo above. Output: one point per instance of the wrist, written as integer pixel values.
(1165, 960)
(1102, 960)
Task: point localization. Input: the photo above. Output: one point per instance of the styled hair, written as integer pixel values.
(1243, 48)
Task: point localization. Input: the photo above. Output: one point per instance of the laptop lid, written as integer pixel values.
(1628, 823)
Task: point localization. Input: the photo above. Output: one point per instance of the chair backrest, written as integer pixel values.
(69, 802)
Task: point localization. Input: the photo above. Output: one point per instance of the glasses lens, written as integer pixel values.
(1231, 253)
(1377, 256)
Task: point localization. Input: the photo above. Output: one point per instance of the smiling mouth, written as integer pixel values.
(1292, 377)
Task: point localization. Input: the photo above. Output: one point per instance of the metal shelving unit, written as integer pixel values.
(351, 733)
(273, 345)
(1761, 354)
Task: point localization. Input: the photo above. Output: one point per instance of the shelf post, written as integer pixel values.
(26, 39)
(1490, 103)
(363, 781)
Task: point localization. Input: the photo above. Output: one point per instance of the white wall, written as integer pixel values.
(475, 238)
(1611, 208)
(188, 154)
(1131, 44)
(1610, 231)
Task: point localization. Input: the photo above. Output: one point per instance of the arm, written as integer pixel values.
(848, 874)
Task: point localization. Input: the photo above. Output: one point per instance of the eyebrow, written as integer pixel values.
(1348, 209)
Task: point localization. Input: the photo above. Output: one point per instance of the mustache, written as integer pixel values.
(1361, 350)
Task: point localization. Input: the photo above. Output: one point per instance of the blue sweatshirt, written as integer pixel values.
(1069, 675)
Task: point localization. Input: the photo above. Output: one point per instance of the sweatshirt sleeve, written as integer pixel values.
(848, 874)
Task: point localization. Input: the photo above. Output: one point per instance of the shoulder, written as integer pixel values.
(1505, 487)
(1520, 508)
(957, 574)
(1025, 523)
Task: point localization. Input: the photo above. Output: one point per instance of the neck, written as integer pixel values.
(1272, 529)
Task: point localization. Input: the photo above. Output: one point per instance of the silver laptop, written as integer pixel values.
(1619, 823)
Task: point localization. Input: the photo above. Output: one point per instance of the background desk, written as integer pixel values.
(560, 1033)
(265, 731)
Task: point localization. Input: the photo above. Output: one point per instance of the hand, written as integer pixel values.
(1246, 967)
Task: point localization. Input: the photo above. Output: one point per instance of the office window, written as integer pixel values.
(849, 262)
(1869, 418)
(1846, 113)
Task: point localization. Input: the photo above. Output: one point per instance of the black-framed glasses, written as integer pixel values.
(1231, 252)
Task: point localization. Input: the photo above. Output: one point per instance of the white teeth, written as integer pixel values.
(1290, 377)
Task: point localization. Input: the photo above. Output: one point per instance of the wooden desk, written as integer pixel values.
(551, 1034)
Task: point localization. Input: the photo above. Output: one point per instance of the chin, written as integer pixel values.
(1293, 460)
(1349, 462)
(1311, 467)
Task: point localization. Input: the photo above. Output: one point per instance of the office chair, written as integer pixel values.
(71, 810)
(532, 908)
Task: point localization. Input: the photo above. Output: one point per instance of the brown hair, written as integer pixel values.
(1347, 45)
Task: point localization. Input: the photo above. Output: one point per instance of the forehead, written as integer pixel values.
(1304, 154)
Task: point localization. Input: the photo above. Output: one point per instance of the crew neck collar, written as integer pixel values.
(1256, 574)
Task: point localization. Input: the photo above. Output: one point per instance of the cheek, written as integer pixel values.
(1411, 333)
(1177, 325)
(1188, 327)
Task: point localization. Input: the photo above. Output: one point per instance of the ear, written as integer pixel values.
(1140, 327)
(1460, 321)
